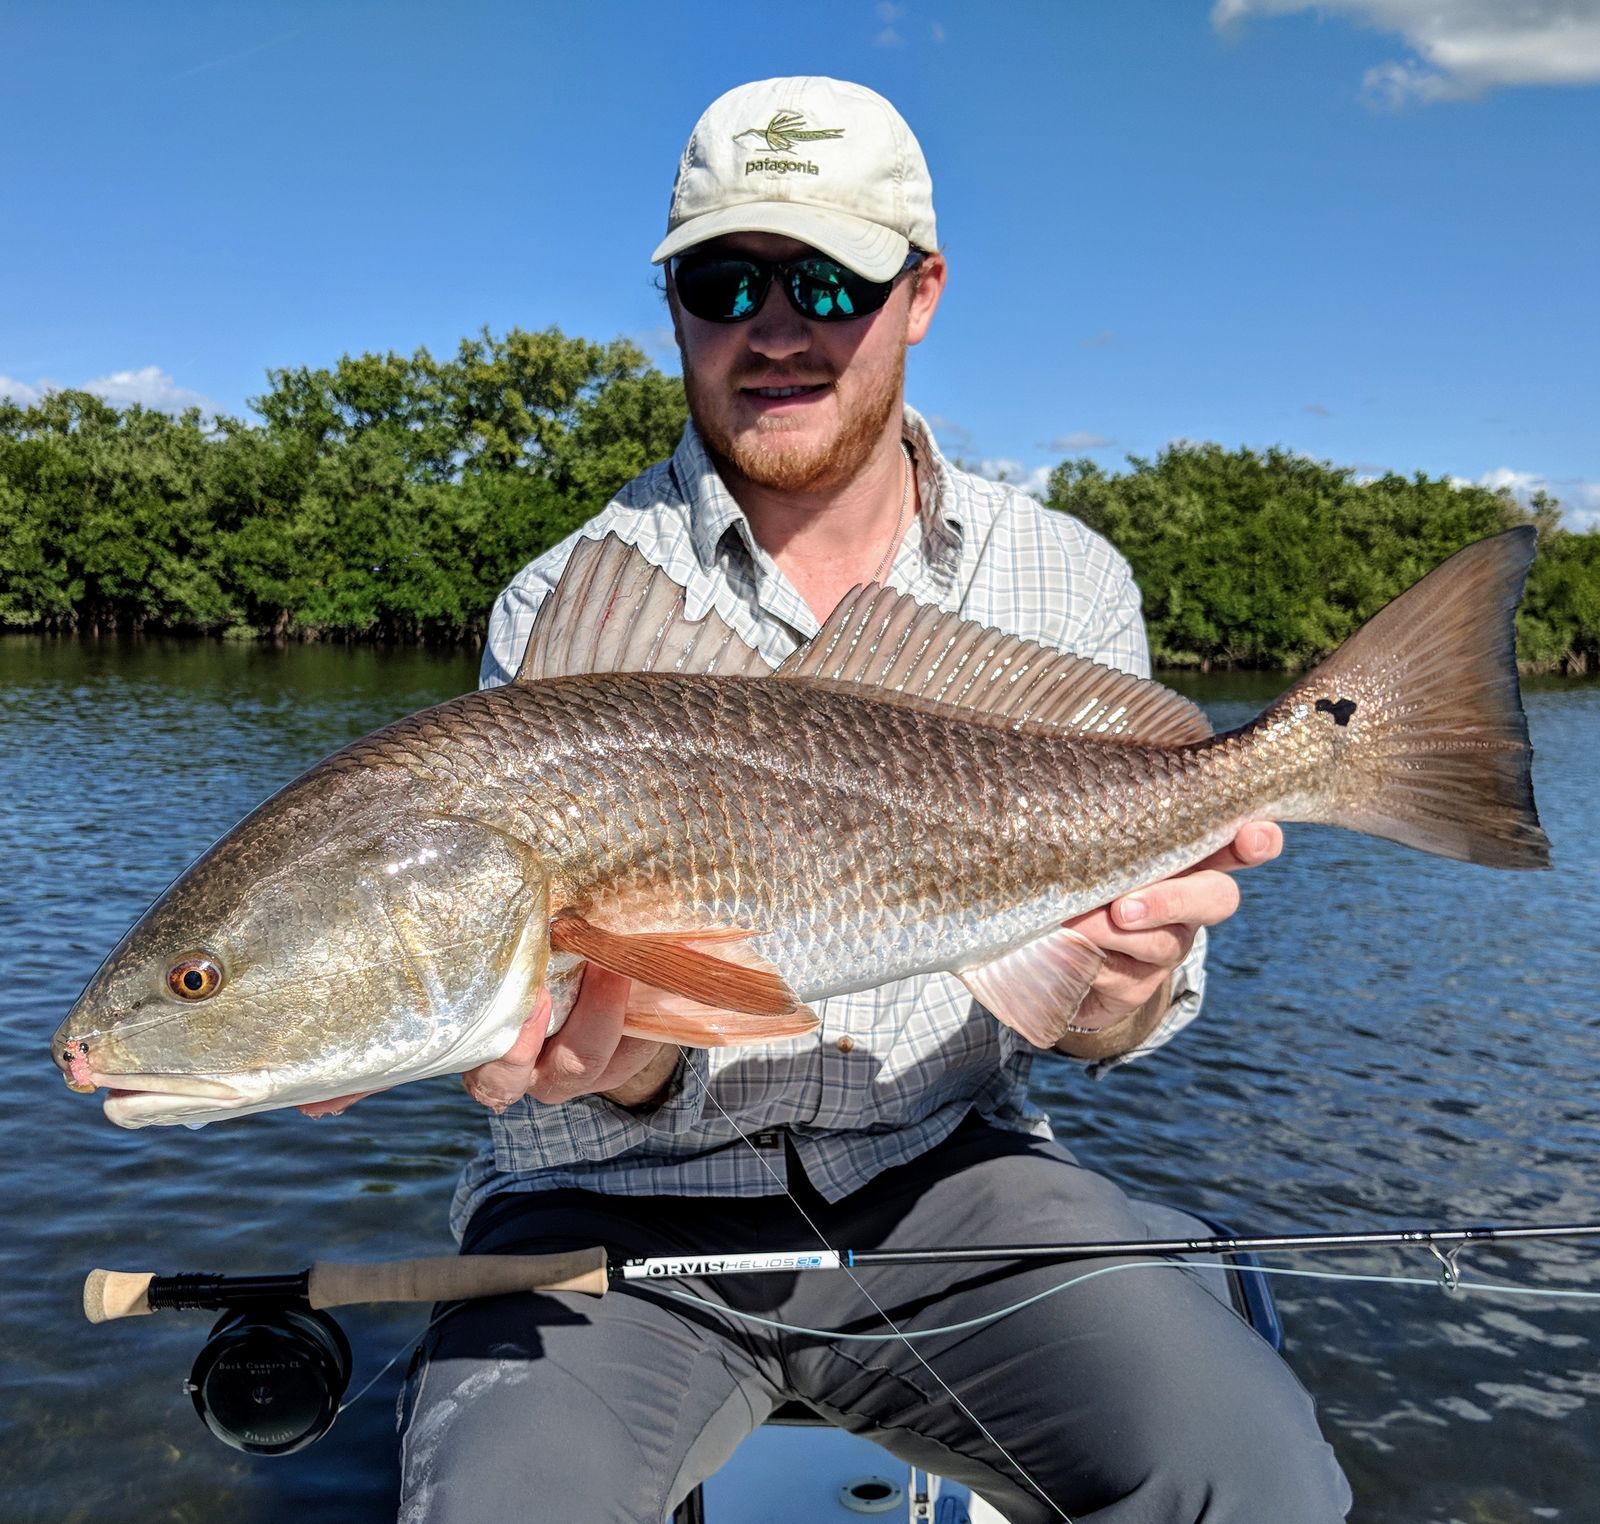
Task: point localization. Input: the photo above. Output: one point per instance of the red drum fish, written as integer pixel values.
(909, 792)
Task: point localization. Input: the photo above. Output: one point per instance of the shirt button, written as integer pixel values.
(844, 1045)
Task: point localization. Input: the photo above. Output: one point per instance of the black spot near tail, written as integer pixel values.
(1340, 711)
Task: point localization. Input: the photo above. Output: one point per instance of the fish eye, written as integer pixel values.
(194, 977)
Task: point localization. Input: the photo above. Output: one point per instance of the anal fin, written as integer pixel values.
(1037, 988)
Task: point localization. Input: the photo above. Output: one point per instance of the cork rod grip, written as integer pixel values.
(455, 1277)
(111, 1294)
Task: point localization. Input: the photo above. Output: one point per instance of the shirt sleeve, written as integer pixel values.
(681, 1106)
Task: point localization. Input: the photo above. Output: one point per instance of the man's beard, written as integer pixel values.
(816, 468)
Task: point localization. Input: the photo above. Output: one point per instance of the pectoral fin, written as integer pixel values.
(733, 980)
(664, 1017)
(1037, 989)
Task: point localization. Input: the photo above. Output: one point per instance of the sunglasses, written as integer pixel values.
(730, 288)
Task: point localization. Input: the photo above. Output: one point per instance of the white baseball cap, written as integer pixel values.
(826, 162)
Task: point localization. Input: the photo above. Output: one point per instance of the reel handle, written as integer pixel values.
(110, 1294)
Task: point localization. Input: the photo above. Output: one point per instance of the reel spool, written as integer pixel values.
(269, 1380)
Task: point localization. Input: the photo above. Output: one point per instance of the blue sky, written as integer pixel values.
(1368, 230)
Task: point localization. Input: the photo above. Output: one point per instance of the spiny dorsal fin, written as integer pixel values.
(932, 659)
(614, 611)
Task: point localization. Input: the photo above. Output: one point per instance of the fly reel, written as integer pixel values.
(271, 1377)
(269, 1380)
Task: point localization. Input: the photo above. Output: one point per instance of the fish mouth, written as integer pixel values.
(166, 1084)
(137, 1100)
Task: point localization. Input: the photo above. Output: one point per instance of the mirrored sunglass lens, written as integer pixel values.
(721, 290)
(825, 289)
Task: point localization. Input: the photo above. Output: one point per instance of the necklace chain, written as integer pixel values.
(900, 521)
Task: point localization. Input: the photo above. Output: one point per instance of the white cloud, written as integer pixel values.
(232, 58)
(1080, 439)
(1461, 48)
(150, 387)
(19, 391)
(955, 436)
(1001, 469)
(1579, 497)
(1580, 503)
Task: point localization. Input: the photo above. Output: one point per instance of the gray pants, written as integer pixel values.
(1136, 1398)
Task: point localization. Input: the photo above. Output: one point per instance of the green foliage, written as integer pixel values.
(387, 497)
(1559, 625)
(103, 517)
(392, 497)
(1270, 560)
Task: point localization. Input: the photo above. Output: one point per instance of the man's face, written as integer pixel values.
(741, 377)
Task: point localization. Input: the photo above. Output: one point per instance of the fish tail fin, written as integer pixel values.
(1427, 698)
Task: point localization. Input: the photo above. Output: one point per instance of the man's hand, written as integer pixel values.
(588, 1055)
(1147, 934)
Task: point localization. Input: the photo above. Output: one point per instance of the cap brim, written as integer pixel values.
(868, 248)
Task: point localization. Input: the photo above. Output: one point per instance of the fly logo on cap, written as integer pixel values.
(780, 135)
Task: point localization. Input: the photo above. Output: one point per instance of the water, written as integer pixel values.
(1390, 1041)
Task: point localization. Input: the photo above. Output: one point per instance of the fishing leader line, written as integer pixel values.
(855, 1280)
(1448, 1279)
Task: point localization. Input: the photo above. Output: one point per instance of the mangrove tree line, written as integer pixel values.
(1270, 560)
(391, 497)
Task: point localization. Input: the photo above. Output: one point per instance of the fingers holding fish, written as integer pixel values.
(1147, 934)
(505, 1079)
(1125, 986)
(576, 1060)
(1203, 895)
(1258, 842)
(1162, 947)
(1157, 924)
(647, 1084)
(635, 1071)
(1200, 897)
(1136, 975)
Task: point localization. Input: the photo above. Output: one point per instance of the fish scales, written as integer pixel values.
(768, 804)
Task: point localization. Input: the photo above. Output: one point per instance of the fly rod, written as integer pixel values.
(271, 1378)
(1445, 1243)
(110, 1294)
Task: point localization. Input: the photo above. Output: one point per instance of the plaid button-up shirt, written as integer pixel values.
(890, 1072)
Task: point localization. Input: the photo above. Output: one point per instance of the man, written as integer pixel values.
(802, 261)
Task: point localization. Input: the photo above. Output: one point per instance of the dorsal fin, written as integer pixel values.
(931, 659)
(615, 611)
